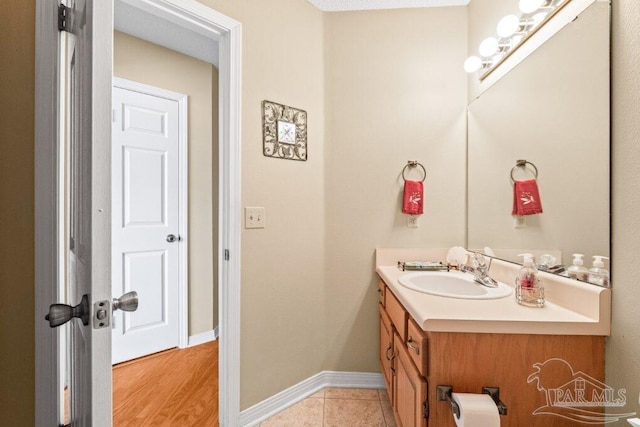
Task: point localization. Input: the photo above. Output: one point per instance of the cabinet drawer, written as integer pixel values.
(381, 291)
(417, 346)
(397, 314)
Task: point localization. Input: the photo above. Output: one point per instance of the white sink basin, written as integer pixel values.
(452, 284)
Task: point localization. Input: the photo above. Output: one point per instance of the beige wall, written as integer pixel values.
(623, 347)
(283, 276)
(144, 62)
(395, 91)
(17, 357)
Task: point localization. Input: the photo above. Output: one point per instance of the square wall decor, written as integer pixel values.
(284, 131)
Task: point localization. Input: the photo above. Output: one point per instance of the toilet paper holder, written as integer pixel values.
(444, 392)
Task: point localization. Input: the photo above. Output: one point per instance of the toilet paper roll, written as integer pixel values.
(476, 410)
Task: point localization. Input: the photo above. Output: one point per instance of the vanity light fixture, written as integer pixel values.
(512, 31)
(488, 47)
(509, 25)
(530, 6)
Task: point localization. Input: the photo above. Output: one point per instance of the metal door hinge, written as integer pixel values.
(425, 409)
(64, 18)
(226, 254)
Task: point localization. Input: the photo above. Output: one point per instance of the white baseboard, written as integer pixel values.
(203, 337)
(271, 406)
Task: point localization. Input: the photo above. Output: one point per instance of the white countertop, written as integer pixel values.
(578, 308)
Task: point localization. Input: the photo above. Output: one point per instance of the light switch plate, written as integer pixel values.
(412, 221)
(519, 221)
(254, 217)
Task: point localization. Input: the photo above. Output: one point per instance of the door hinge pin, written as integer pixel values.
(63, 18)
(226, 254)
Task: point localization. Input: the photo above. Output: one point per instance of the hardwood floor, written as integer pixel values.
(172, 388)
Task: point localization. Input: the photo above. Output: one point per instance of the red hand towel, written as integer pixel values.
(412, 200)
(526, 198)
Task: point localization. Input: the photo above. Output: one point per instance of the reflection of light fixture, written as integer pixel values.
(530, 6)
(508, 26)
(512, 30)
(538, 18)
(516, 39)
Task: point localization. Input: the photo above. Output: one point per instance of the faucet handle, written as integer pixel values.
(478, 261)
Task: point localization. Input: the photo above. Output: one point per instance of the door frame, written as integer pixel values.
(183, 195)
(228, 34)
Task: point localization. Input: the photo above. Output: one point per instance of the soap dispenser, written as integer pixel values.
(578, 270)
(529, 290)
(598, 275)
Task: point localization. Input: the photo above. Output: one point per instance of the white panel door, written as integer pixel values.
(145, 202)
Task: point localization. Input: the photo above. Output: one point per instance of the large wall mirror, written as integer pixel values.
(553, 111)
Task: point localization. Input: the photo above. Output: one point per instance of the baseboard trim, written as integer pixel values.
(203, 337)
(286, 398)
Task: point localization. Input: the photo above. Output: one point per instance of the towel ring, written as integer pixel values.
(413, 164)
(523, 164)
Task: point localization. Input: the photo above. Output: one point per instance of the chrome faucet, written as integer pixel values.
(479, 270)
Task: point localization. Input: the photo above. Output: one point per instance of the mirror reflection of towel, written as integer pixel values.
(413, 198)
(526, 198)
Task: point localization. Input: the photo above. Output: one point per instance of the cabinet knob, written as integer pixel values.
(393, 369)
(413, 347)
(387, 352)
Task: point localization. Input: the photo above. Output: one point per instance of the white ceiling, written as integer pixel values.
(154, 29)
(342, 5)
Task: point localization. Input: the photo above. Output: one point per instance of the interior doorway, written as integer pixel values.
(194, 29)
(148, 67)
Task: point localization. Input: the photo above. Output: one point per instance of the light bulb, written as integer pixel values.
(488, 47)
(472, 64)
(516, 39)
(538, 18)
(529, 6)
(508, 26)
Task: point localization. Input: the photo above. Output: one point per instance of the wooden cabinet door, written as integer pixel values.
(409, 388)
(386, 347)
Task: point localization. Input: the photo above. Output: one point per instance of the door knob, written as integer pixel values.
(59, 314)
(127, 302)
(173, 238)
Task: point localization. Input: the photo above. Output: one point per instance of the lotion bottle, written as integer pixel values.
(598, 275)
(529, 290)
(578, 270)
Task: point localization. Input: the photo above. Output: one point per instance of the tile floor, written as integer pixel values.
(338, 407)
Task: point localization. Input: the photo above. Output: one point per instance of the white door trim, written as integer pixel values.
(183, 195)
(228, 34)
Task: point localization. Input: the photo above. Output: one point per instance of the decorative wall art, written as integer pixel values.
(284, 131)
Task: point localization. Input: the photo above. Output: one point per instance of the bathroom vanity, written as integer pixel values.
(536, 357)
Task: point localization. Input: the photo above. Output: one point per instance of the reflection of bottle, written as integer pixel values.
(529, 290)
(577, 270)
(598, 275)
(546, 262)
